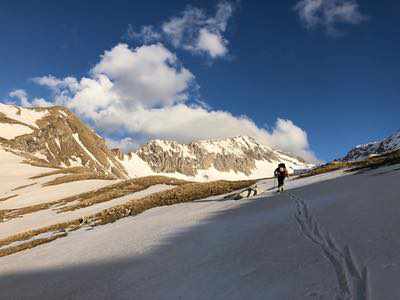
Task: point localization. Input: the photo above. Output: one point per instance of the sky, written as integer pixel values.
(311, 77)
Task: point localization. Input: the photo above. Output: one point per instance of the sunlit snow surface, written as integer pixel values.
(218, 249)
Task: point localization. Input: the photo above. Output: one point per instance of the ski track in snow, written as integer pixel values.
(352, 283)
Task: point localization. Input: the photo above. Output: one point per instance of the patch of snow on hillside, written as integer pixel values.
(57, 142)
(11, 131)
(221, 147)
(75, 161)
(78, 140)
(63, 113)
(14, 173)
(135, 166)
(23, 115)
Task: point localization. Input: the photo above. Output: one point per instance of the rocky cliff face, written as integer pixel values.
(389, 144)
(55, 137)
(234, 158)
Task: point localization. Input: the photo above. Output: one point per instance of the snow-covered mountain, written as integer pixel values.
(233, 158)
(55, 137)
(389, 144)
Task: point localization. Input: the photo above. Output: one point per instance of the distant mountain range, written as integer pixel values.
(233, 159)
(55, 137)
(387, 145)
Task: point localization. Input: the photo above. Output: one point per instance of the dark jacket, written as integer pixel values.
(281, 172)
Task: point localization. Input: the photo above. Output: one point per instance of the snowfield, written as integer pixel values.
(328, 237)
(11, 131)
(23, 115)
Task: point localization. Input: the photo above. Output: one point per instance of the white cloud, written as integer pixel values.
(40, 102)
(291, 138)
(144, 93)
(145, 76)
(23, 98)
(193, 30)
(212, 43)
(21, 95)
(183, 30)
(186, 123)
(126, 144)
(56, 84)
(329, 13)
(146, 35)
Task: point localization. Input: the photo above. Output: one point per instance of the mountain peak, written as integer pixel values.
(239, 157)
(55, 137)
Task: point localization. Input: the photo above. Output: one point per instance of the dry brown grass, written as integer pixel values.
(78, 177)
(119, 190)
(372, 162)
(378, 161)
(8, 197)
(185, 192)
(24, 236)
(22, 187)
(75, 170)
(72, 174)
(30, 244)
(330, 167)
(93, 197)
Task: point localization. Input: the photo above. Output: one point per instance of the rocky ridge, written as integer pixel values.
(387, 145)
(241, 155)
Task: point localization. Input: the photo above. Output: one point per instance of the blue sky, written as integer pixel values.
(330, 70)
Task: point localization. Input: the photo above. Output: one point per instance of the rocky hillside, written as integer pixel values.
(387, 145)
(55, 137)
(234, 158)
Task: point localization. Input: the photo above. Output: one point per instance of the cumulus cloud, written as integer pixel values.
(21, 95)
(23, 99)
(148, 75)
(329, 13)
(145, 93)
(211, 43)
(186, 123)
(192, 30)
(199, 33)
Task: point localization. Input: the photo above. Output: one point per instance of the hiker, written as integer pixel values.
(281, 173)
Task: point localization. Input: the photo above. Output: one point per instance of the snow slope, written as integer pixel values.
(225, 249)
(51, 216)
(11, 131)
(24, 115)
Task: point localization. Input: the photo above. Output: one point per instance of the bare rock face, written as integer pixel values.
(238, 154)
(387, 145)
(55, 137)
